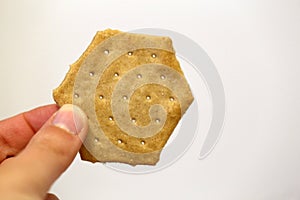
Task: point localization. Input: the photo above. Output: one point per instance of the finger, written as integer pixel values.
(16, 131)
(51, 197)
(48, 154)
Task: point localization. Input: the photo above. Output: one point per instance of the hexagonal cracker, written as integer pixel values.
(134, 92)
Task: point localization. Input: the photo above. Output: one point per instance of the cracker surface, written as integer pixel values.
(134, 92)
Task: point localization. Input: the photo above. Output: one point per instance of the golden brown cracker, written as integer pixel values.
(133, 90)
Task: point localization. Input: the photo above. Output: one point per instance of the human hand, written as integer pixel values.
(36, 147)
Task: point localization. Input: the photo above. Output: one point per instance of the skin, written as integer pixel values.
(34, 152)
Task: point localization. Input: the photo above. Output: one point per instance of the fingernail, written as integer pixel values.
(70, 118)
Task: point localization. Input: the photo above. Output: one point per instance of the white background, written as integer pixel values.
(255, 46)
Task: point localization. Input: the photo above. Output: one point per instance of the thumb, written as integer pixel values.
(48, 154)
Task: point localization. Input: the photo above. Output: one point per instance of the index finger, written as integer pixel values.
(15, 132)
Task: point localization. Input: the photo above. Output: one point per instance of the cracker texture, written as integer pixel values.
(151, 108)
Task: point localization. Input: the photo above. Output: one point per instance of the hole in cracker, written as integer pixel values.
(153, 55)
(101, 96)
(116, 74)
(110, 118)
(130, 53)
(162, 77)
(139, 76)
(106, 51)
(143, 142)
(120, 141)
(133, 120)
(92, 74)
(148, 97)
(172, 99)
(125, 97)
(76, 95)
(96, 139)
(157, 120)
